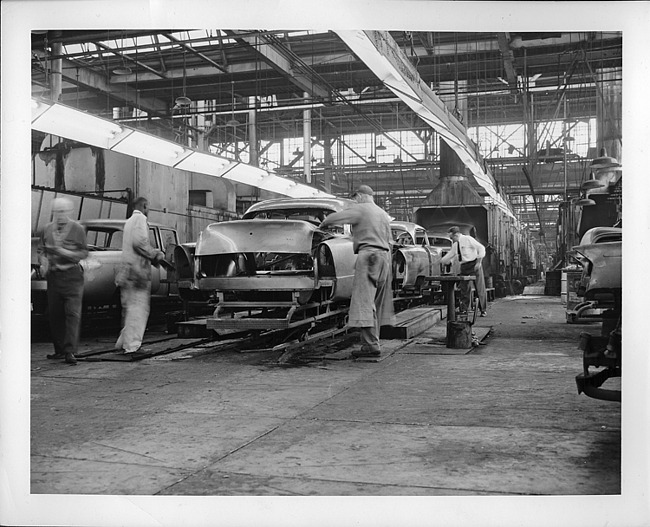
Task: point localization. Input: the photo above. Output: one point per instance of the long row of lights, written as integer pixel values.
(67, 122)
(382, 55)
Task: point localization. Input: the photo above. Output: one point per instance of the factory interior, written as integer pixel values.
(250, 382)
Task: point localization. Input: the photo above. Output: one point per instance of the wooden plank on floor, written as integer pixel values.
(412, 322)
(92, 352)
(193, 329)
(148, 349)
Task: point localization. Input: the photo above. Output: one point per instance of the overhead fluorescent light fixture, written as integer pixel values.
(151, 148)
(122, 70)
(591, 184)
(73, 124)
(183, 101)
(262, 179)
(203, 163)
(63, 121)
(604, 162)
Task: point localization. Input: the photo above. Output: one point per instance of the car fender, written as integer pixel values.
(344, 259)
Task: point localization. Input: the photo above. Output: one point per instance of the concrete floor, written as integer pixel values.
(502, 420)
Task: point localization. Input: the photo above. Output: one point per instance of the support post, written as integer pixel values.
(252, 133)
(306, 136)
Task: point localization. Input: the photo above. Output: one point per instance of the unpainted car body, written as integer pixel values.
(104, 239)
(277, 252)
(413, 256)
(600, 254)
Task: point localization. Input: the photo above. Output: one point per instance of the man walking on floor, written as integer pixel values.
(371, 305)
(134, 277)
(470, 253)
(61, 248)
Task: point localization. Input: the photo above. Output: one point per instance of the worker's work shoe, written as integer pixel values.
(70, 359)
(56, 356)
(365, 353)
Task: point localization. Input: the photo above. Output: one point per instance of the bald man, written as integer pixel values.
(62, 246)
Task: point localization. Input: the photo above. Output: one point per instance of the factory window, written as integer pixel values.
(202, 198)
(509, 140)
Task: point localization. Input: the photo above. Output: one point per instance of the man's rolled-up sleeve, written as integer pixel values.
(340, 218)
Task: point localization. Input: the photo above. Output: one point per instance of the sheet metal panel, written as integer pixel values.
(252, 236)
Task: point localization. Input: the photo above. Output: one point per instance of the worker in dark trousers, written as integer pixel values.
(371, 305)
(62, 246)
(470, 253)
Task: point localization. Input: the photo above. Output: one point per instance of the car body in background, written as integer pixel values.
(600, 254)
(443, 243)
(104, 239)
(413, 257)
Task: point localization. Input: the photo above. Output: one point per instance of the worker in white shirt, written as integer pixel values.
(470, 253)
(134, 277)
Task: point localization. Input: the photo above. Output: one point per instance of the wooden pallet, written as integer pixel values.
(413, 322)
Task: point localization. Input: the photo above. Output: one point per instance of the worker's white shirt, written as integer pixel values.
(470, 249)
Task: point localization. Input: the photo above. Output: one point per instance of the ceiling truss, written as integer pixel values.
(301, 70)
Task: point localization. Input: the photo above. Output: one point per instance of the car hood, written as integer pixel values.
(245, 236)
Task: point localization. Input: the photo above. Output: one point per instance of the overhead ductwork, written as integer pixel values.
(453, 190)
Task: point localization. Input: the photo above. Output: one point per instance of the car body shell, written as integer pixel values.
(275, 250)
(278, 249)
(413, 256)
(600, 254)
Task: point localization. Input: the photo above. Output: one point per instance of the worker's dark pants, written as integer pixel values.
(467, 269)
(64, 294)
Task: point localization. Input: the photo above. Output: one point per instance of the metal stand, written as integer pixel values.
(459, 333)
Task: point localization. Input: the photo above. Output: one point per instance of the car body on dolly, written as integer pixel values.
(275, 264)
(277, 261)
(600, 254)
(414, 258)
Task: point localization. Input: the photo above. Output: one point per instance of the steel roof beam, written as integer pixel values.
(195, 52)
(130, 59)
(94, 81)
(279, 58)
(508, 59)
